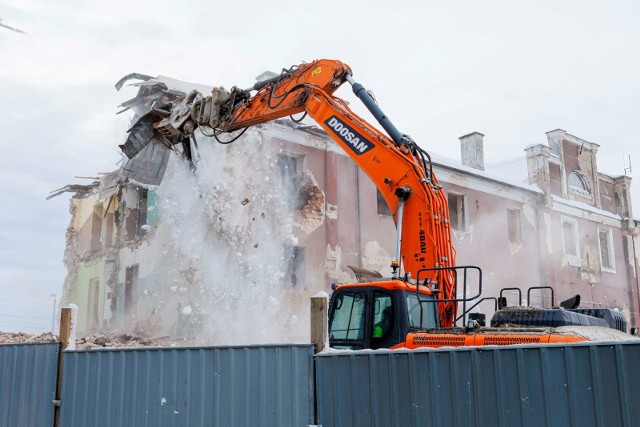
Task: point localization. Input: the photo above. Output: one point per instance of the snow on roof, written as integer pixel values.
(502, 173)
(585, 207)
(514, 169)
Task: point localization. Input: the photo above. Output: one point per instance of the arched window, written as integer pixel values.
(576, 180)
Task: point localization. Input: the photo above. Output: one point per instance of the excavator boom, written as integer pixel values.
(399, 168)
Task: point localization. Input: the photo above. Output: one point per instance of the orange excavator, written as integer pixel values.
(418, 305)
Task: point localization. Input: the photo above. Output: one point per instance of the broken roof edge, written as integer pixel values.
(77, 189)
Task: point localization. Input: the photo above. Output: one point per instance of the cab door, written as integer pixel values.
(362, 318)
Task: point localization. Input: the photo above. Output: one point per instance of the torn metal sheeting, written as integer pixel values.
(73, 188)
(142, 133)
(148, 166)
(131, 76)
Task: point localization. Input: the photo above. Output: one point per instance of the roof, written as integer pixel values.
(507, 172)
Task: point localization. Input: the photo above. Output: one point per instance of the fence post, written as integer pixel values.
(63, 337)
(319, 321)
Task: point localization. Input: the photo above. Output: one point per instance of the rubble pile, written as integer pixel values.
(119, 340)
(88, 343)
(24, 338)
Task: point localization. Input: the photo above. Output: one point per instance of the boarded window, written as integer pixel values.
(570, 237)
(383, 208)
(514, 222)
(457, 214)
(605, 238)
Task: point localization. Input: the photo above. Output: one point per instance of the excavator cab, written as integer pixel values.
(379, 314)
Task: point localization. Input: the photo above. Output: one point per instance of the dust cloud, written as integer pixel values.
(224, 229)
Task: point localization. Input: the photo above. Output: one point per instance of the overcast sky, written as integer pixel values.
(512, 70)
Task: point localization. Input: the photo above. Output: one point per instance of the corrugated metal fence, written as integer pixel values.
(28, 384)
(593, 384)
(244, 386)
(579, 385)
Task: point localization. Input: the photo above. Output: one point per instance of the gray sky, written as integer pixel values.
(511, 70)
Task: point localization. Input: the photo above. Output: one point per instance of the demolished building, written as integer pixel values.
(229, 249)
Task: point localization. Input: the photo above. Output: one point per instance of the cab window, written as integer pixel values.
(382, 315)
(421, 318)
(348, 317)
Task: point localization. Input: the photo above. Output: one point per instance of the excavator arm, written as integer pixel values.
(399, 168)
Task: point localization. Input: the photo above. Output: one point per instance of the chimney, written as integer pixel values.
(622, 185)
(472, 150)
(538, 169)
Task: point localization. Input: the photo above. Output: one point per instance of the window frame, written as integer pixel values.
(461, 208)
(292, 181)
(612, 259)
(361, 329)
(573, 259)
(517, 227)
(583, 189)
(93, 304)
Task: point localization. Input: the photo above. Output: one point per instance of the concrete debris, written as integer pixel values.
(24, 338)
(119, 340)
(88, 343)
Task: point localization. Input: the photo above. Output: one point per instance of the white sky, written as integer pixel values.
(511, 70)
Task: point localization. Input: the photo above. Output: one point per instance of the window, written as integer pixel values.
(514, 223)
(421, 312)
(93, 304)
(136, 216)
(383, 208)
(607, 259)
(96, 228)
(294, 257)
(577, 182)
(290, 182)
(130, 290)
(348, 317)
(142, 211)
(457, 214)
(108, 234)
(570, 246)
(382, 318)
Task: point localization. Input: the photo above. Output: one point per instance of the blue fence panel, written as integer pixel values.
(229, 386)
(592, 384)
(28, 375)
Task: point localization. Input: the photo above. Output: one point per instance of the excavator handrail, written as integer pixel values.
(512, 289)
(464, 298)
(553, 295)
